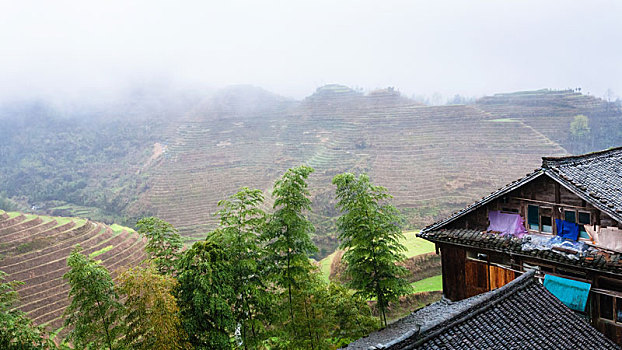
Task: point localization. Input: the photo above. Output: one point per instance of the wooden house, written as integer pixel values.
(581, 192)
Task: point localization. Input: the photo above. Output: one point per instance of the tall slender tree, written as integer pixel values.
(288, 233)
(241, 223)
(204, 295)
(370, 233)
(95, 310)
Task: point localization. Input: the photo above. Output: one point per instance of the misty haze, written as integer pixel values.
(222, 152)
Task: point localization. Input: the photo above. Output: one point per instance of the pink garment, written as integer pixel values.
(507, 224)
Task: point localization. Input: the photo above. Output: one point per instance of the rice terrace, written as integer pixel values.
(310, 175)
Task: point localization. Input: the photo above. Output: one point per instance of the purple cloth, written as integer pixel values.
(507, 224)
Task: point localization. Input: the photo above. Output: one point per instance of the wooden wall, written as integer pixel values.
(544, 192)
(464, 277)
(453, 264)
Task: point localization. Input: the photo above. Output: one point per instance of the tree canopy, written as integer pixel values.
(95, 311)
(204, 295)
(163, 242)
(16, 330)
(288, 232)
(370, 233)
(151, 316)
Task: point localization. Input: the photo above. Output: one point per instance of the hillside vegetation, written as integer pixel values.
(176, 163)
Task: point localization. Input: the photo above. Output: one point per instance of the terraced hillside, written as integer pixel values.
(178, 161)
(432, 159)
(552, 112)
(34, 250)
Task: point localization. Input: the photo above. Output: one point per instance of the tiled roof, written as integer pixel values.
(593, 260)
(595, 177)
(520, 315)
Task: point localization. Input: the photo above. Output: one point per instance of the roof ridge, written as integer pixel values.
(546, 161)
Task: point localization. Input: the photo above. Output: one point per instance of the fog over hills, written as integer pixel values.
(146, 156)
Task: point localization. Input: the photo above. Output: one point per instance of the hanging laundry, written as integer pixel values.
(566, 229)
(572, 293)
(506, 223)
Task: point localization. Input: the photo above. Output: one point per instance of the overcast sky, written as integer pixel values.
(292, 47)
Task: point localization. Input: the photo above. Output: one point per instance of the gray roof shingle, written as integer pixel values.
(519, 315)
(597, 177)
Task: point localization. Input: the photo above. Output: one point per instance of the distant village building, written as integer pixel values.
(563, 221)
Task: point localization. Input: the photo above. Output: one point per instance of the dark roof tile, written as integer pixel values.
(519, 315)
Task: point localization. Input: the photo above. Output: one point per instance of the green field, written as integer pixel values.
(325, 266)
(429, 284)
(414, 245)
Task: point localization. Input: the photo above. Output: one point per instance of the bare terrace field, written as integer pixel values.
(34, 250)
(432, 159)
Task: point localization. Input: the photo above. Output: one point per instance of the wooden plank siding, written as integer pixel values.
(453, 264)
(543, 192)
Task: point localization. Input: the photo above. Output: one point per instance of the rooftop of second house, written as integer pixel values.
(520, 315)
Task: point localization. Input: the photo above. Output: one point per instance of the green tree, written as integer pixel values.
(95, 311)
(204, 295)
(580, 133)
(241, 224)
(163, 243)
(351, 315)
(16, 330)
(151, 312)
(369, 230)
(288, 232)
(580, 126)
(310, 328)
(328, 316)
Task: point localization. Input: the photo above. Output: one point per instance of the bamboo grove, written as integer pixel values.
(250, 284)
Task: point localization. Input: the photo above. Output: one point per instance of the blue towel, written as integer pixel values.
(570, 292)
(566, 229)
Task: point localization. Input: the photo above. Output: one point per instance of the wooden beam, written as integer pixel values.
(555, 204)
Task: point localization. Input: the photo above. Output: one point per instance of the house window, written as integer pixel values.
(540, 218)
(610, 308)
(547, 224)
(533, 217)
(606, 307)
(584, 219)
(610, 305)
(570, 215)
(579, 217)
